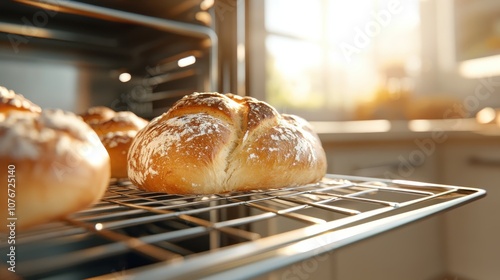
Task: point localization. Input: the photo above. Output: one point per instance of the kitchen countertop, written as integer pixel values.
(387, 130)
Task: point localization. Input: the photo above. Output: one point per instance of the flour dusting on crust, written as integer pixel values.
(13, 99)
(206, 138)
(22, 134)
(113, 139)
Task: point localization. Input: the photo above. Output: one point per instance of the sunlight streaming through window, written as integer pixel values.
(326, 59)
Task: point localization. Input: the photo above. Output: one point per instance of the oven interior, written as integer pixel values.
(169, 49)
(146, 235)
(132, 233)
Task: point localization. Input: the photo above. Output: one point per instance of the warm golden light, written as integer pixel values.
(240, 52)
(206, 4)
(420, 125)
(480, 67)
(486, 115)
(339, 52)
(368, 126)
(124, 77)
(186, 61)
(203, 17)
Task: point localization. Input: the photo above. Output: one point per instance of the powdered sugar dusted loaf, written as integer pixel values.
(214, 143)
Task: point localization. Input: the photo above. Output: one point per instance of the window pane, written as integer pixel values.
(344, 16)
(331, 59)
(297, 18)
(351, 83)
(390, 27)
(294, 73)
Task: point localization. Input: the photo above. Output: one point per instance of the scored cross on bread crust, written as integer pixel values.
(214, 143)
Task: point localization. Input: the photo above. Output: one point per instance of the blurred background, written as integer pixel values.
(406, 89)
(397, 89)
(346, 60)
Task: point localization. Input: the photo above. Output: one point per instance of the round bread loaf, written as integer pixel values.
(97, 114)
(116, 131)
(215, 143)
(11, 101)
(117, 144)
(119, 122)
(54, 164)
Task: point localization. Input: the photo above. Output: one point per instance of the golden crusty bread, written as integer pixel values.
(97, 114)
(215, 143)
(12, 102)
(119, 122)
(58, 164)
(116, 131)
(117, 144)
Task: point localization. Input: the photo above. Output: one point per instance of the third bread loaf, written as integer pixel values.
(116, 131)
(214, 143)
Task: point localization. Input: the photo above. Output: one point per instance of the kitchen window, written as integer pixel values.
(326, 60)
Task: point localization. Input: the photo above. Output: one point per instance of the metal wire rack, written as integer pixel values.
(143, 235)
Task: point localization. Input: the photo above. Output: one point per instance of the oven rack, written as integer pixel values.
(133, 234)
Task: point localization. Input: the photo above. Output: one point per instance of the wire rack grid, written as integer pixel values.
(131, 233)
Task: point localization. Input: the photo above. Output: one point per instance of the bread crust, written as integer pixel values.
(117, 145)
(13, 102)
(215, 143)
(116, 131)
(97, 114)
(119, 122)
(59, 165)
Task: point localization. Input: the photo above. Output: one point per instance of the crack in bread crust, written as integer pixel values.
(215, 143)
(254, 115)
(241, 128)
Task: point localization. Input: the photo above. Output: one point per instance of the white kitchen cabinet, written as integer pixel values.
(460, 244)
(472, 232)
(391, 160)
(464, 241)
(401, 253)
(410, 252)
